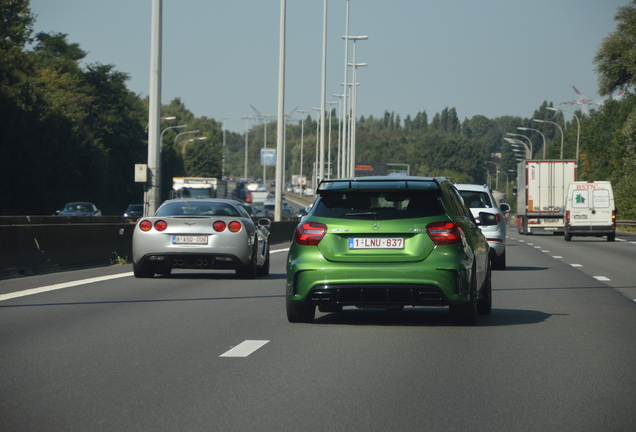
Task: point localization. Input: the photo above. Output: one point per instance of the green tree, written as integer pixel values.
(616, 57)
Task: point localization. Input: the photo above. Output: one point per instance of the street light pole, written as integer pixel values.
(519, 143)
(323, 93)
(151, 201)
(302, 139)
(345, 108)
(223, 157)
(540, 133)
(158, 186)
(496, 170)
(247, 119)
(523, 136)
(557, 125)
(315, 171)
(352, 143)
(329, 141)
(338, 171)
(578, 130)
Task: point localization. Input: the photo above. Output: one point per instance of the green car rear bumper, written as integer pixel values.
(437, 281)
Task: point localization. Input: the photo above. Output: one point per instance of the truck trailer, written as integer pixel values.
(542, 191)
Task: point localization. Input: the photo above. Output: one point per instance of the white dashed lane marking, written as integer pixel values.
(245, 348)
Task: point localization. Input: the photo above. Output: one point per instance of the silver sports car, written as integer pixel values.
(201, 234)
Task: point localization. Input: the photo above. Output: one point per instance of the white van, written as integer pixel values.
(590, 210)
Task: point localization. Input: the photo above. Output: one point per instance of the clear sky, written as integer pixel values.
(489, 57)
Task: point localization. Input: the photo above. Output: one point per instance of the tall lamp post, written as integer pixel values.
(345, 106)
(339, 96)
(352, 143)
(223, 157)
(557, 125)
(540, 133)
(302, 139)
(578, 130)
(496, 170)
(520, 144)
(158, 186)
(247, 119)
(523, 136)
(329, 141)
(316, 170)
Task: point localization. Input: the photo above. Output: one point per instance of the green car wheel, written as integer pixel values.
(300, 313)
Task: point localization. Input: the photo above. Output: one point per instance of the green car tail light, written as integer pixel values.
(309, 233)
(445, 233)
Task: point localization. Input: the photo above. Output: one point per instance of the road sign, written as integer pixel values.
(268, 157)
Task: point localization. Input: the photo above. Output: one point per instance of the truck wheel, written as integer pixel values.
(567, 236)
(611, 237)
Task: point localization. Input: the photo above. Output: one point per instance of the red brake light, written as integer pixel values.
(310, 233)
(445, 233)
(161, 225)
(248, 198)
(145, 225)
(235, 226)
(219, 226)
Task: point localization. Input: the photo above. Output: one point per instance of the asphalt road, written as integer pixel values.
(207, 352)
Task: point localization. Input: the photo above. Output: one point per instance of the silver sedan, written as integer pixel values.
(201, 234)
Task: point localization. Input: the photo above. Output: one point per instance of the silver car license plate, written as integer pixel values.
(200, 240)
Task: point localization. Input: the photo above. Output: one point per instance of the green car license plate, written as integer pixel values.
(376, 243)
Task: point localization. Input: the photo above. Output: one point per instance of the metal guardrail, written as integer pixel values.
(624, 222)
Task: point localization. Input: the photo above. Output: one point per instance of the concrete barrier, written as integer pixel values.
(31, 245)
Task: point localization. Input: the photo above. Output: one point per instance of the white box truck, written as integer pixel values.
(194, 187)
(542, 189)
(590, 210)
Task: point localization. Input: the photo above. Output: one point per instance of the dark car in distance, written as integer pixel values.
(79, 208)
(134, 211)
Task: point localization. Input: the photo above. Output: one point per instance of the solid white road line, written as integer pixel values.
(244, 348)
(61, 286)
(77, 283)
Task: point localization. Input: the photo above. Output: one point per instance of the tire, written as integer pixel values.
(141, 272)
(611, 237)
(264, 269)
(566, 235)
(484, 302)
(249, 271)
(300, 313)
(499, 262)
(466, 313)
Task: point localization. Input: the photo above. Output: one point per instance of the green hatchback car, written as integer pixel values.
(389, 242)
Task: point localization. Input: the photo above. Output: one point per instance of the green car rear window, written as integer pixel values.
(379, 204)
